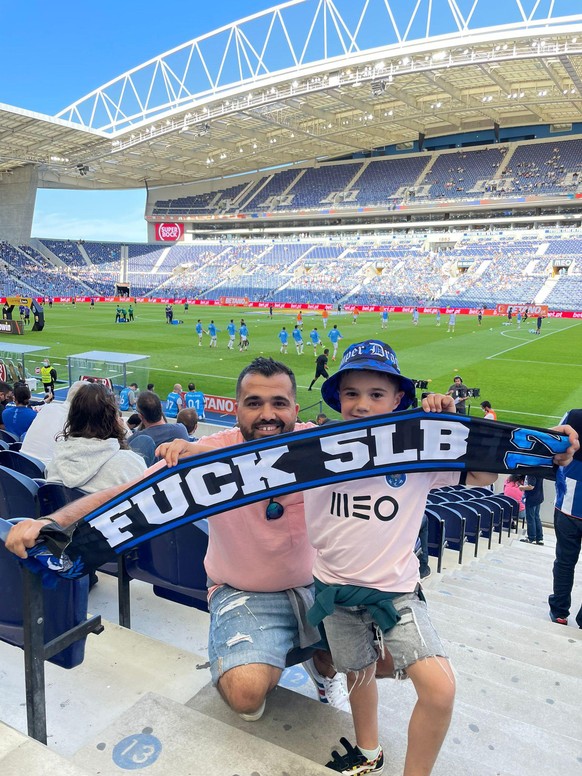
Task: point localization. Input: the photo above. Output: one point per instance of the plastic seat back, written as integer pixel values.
(18, 495)
(19, 462)
(174, 564)
(436, 536)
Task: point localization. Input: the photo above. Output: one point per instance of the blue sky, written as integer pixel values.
(53, 53)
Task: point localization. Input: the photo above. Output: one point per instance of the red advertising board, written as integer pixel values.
(169, 232)
(222, 405)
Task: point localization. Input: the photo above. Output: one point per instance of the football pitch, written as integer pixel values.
(528, 379)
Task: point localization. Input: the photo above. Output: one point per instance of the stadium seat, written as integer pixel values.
(65, 606)
(54, 495)
(174, 564)
(472, 521)
(436, 536)
(25, 464)
(6, 436)
(18, 495)
(454, 526)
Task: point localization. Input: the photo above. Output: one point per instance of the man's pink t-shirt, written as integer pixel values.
(249, 552)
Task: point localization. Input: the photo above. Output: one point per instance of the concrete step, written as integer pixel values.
(501, 614)
(557, 653)
(495, 594)
(313, 729)
(550, 686)
(22, 755)
(120, 666)
(170, 739)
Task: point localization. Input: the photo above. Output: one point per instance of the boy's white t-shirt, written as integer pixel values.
(365, 531)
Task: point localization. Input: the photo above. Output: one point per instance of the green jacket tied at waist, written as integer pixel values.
(377, 602)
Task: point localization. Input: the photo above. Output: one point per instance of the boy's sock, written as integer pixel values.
(370, 754)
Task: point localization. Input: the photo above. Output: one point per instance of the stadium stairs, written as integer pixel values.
(141, 700)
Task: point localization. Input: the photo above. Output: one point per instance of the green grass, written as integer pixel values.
(528, 379)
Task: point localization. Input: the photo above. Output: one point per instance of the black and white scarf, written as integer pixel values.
(215, 482)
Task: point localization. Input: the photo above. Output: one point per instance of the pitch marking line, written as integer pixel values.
(529, 342)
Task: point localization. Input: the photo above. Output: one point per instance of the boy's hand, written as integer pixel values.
(563, 459)
(437, 402)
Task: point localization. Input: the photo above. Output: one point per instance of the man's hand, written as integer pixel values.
(437, 402)
(171, 452)
(23, 535)
(563, 459)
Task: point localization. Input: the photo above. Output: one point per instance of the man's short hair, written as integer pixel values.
(485, 405)
(21, 393)
(191, 387)
(150, 387)
(189, 418)
(267, 367)
(149, 406)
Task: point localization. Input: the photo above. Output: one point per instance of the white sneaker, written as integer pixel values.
(255, 715)
(333, 691)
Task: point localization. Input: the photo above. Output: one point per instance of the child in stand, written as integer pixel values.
(364, 533)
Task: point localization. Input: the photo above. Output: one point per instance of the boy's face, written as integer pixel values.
(366, 393)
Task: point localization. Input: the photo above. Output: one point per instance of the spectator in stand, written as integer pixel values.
(512, 488)
(189, 419)
(488, 412)
(41, 438)
(91, 452)
(149, 408)
(174, 402)
(568, 525)
(18, 417)
(533, 490)
(133, 422)
(6, 397)
(322, 419)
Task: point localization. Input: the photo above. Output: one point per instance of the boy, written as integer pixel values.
(364, 533)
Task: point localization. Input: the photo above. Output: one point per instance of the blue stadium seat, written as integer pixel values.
(18, 495)
(472, 521)
(454, 526)
(436, 536)
(174, 564)
(6, 436)
(65, 606)
(25, 464)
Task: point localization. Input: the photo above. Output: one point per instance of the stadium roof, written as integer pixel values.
(306, 81)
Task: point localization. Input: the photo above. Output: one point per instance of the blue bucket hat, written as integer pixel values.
(374, 356)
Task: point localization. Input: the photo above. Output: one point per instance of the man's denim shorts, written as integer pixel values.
(352, 636)
(249, 628)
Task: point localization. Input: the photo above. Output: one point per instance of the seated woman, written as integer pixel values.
(91, 453)
(17, 418)
(511, 489)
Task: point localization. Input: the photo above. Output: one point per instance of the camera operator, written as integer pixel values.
(458, 390)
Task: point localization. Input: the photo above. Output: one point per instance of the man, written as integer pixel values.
(128, 398)
(6, 397)
(212, 333)
(189, 419)
(458, 390)
(415, 317)
(284, 339)
(199, 331)
(315, 340)
(533, 490)
(149, 408)
(231, 329)
(243, 334)
(320, 368)
(480, 316)
(335, 336)
(194, 399)
(384, 318)
(298, 339)
(174, 401)
(452, 321)
(130, 312)
(48, 376)
(262, 564)
(568, 525)
(488, 412)
(322, 419)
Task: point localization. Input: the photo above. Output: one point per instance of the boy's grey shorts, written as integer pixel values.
(352, 636)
